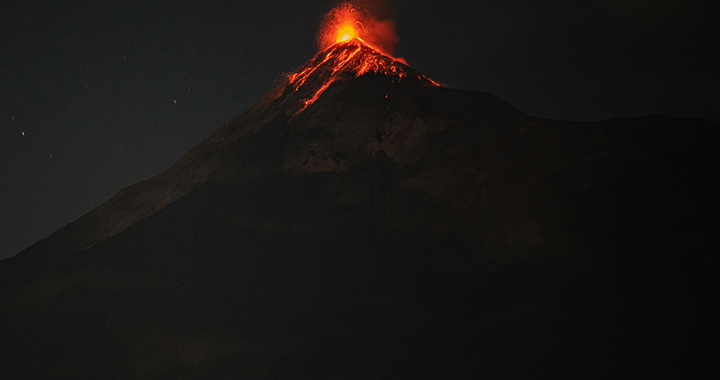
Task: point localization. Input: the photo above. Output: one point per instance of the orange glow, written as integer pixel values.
(346, 33)
(346, 22)
(343, 23)
(342, 37)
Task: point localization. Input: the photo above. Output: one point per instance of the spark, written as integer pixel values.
(346, 51)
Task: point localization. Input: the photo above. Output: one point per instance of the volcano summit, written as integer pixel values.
(362, 222)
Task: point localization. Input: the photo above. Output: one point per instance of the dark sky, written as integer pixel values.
(95, 96)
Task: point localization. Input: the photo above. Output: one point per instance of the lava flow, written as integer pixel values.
(345, 51)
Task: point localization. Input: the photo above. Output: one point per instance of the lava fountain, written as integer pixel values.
(351, 42)
(343, 23)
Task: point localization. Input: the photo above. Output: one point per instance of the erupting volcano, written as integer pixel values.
(343, 23)
(346, 53)
(362, 222)
(346, 22)
(346, 59)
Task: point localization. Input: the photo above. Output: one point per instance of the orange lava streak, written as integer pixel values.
(345, 60)
(303, 75)
(436, 84)
(315, 96)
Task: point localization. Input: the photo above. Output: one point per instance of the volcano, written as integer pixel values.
(362, 221)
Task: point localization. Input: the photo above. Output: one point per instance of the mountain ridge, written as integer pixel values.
(226, 135)
(390, 229)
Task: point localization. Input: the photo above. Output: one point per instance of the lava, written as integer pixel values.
(345, 51)
(343, 23)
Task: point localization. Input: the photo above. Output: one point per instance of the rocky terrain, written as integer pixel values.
(393, 228)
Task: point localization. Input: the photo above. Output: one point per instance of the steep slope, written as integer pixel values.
(217, 158)
(361, 221)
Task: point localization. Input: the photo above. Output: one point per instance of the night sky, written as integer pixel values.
(95, 96)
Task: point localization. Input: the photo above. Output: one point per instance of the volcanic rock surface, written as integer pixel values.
(386, 228)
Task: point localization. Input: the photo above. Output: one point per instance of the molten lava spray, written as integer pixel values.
(346, 22)
(354, 43)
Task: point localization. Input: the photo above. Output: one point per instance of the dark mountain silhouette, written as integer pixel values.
(361, 222)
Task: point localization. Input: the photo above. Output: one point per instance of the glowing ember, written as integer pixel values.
(341, 24)
(346, 33)
(346, 52)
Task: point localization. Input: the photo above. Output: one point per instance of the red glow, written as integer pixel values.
(346, 22)
(344, 37)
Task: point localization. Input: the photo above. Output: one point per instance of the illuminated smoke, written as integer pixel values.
(347, 21)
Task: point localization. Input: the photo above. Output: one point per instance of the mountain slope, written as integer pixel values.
(372, 224)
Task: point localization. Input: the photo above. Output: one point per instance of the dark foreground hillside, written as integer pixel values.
(429, 234)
